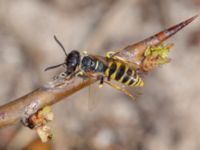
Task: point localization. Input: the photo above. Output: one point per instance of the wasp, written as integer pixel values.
(120, 65)
(99, 67)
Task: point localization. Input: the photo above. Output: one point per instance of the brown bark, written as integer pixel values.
(48, 94)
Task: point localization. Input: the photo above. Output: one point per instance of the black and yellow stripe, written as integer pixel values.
(99, 66)
(123, 73)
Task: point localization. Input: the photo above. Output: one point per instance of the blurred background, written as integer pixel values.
(166, 115)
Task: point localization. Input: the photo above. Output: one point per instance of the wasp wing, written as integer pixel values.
(100, 58)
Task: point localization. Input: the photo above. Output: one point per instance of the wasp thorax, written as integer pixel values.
(88, 63)
(72, 61)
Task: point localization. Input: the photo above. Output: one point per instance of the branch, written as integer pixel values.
(48, 94)
(147, 54)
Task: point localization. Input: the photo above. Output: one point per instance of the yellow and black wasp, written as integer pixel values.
(99, 67)
(120, 66)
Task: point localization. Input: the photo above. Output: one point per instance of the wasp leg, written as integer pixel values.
(108, 78)
(85, 75)
(78, 72)
(121, 89)
(101, 81)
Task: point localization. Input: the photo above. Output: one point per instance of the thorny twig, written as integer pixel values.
(48, 94)
(146, 54)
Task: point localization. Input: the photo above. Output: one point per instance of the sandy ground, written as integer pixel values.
(166, 115)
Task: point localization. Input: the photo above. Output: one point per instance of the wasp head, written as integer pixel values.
(72, 61)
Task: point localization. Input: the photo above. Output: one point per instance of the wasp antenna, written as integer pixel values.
(60, 44)
(52, 67)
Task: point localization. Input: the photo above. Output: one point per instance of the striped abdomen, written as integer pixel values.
(121, 72)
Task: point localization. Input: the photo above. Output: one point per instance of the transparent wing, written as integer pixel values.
(93, 96)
